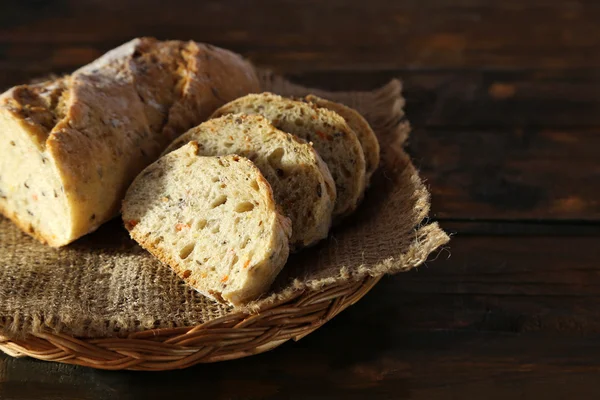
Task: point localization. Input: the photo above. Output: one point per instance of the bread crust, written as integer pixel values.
(360, 126)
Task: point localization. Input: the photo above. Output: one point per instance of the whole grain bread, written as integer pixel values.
(301, 181)
(333, 139)
(360, 126)
(213, 220)
(71, 147)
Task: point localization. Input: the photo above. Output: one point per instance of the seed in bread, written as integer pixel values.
(333, 139)
(360, 126)
(213, 220)
(301, 181)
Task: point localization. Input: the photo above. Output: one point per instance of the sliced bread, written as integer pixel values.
(333, 139)
(360, 126)
(213, 220)
(301, 181)
(69, 148)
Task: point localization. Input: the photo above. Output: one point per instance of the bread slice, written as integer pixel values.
(335, 142)
(360, 126)
(213, 220)
(301, 181)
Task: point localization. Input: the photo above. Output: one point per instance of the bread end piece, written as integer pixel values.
(360, 126)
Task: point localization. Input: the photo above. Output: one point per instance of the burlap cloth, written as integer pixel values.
(105, 285)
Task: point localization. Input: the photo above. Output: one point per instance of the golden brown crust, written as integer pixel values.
(219, 73)
(41, 105)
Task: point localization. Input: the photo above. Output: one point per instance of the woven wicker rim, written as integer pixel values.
(233, 336)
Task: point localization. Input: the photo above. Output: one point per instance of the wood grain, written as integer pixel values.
(525, 174)
(529, 228)
(482, 98)
(305, 35)
(511, 283)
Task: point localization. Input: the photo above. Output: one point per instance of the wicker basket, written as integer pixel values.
(233, 336)
(34, 323)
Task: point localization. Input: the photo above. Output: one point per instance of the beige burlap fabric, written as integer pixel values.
(105, 285)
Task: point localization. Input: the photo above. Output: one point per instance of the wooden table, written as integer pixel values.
(504, 98)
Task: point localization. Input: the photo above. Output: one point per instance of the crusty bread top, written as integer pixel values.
(333, 139)
(168, 77)
(212, 219)
(360, 126)
(300, 180)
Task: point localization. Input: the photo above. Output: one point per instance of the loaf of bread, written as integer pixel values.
(69, 148)
(212, 219)
(333, 139)
(301, 181)
(360, 126)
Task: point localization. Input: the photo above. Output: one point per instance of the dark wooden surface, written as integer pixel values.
(504, 98)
